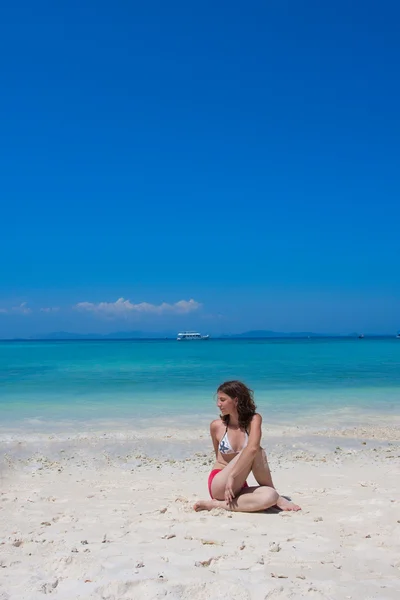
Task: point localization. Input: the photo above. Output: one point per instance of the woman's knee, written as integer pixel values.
(270, 496)
(218, 488)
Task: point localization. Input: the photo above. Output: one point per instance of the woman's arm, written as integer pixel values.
(213, 433)
(247, 455)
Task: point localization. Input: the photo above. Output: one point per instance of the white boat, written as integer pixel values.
(191, 335)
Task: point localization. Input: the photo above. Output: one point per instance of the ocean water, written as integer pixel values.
(137, 383)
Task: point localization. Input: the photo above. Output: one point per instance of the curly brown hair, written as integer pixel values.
(245, 406)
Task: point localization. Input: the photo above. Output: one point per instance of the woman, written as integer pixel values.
(236, 437)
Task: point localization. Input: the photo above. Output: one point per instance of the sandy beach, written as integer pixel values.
(97, 518)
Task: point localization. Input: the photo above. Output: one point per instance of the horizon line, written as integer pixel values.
(237, 336)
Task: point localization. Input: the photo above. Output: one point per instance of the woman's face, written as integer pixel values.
(226, 404)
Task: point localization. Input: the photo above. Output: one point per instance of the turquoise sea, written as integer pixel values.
(54, 384)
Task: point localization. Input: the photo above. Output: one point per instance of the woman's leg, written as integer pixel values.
(262, 474)
(219, 482)
(261, 470)
(252, 499)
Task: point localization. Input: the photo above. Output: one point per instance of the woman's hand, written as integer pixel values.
(229, 493)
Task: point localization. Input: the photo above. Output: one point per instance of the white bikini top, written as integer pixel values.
(225, 445)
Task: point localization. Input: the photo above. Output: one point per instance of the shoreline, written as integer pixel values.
(338, 423)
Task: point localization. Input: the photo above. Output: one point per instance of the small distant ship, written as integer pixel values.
(361, 336)
(398, 335)
(191, 335)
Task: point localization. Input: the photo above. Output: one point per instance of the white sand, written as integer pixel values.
(94, 519)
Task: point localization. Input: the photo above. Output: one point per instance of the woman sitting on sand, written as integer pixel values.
(236, 437)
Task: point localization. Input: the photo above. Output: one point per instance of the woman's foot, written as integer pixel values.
(285, 504)
(206, 505)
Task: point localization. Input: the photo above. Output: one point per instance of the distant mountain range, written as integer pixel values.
(129, 335)
(265, 333)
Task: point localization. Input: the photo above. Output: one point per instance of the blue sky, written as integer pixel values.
(245, 157)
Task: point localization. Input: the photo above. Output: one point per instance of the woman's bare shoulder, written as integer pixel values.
(256, 419)
(216, 424)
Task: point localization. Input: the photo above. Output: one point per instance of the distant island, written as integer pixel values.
(265, 333)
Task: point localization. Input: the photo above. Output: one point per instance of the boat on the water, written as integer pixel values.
(191, 335)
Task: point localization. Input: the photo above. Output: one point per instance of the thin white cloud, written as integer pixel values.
(124, 308)
(50, 309)
(22, 309)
